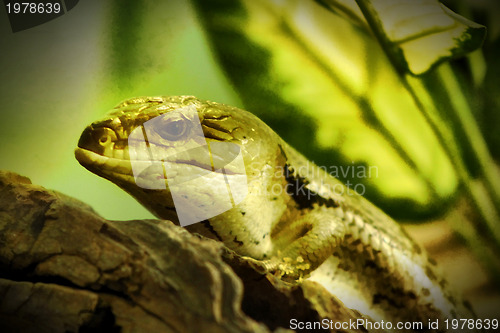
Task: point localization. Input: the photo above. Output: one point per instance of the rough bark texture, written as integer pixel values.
(63, 268)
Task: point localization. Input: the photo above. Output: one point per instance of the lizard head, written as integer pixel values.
(183, 158)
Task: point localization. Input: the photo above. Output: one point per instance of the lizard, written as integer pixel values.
(313, 228)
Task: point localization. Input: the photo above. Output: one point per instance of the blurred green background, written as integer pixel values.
(56, 80)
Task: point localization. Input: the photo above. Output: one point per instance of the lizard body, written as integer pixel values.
(313, 228)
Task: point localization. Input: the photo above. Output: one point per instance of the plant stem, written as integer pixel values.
(470, 130)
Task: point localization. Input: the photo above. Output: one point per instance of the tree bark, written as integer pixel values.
(64, 268)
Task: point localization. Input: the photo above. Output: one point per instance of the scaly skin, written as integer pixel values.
(314, 228)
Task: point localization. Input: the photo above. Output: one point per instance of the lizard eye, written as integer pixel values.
(174, 130)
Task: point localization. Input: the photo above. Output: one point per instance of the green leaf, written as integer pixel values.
(325, 85)
(419, 34)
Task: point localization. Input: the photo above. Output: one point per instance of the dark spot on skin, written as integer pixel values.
(265, 235)
(412, 295)
(370, 264)
(403, 230)
(425, 292)
(303, 196)
(356, 242)
(430, 273)
(344, 267)
(297, 188)
(243, 213)
(468, 306)
(274, 198)
(378, 298)
(240, 243)
(304, 229)
(207, 225)
(396, 299)
(256, 242)
(282, 151)
(331, 203)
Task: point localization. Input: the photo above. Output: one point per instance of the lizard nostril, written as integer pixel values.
(96, 139)
(104, 139)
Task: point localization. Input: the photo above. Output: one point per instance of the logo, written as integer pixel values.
(28, 14)
(205, 178)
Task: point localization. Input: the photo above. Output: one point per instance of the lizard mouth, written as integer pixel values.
(119, 171)
(101, 164)
(177, 168)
